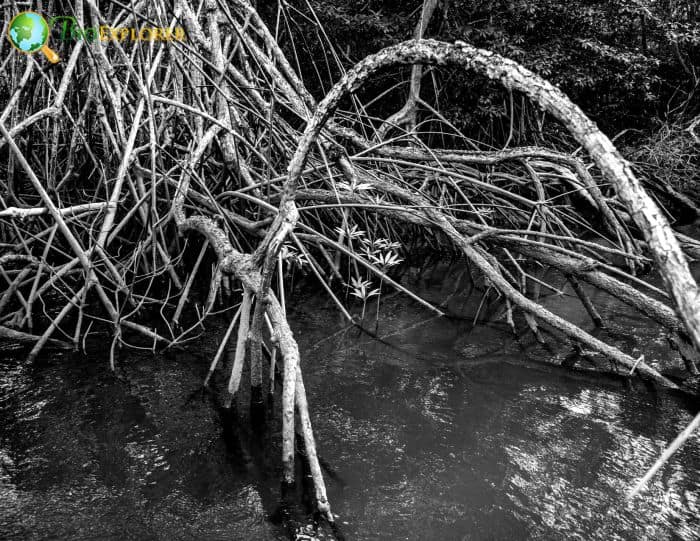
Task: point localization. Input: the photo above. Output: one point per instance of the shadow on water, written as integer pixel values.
(433, 429)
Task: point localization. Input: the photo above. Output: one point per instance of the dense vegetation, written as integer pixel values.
(628, 63)
(632, 65)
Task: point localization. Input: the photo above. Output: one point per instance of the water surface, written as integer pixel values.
(440, 430)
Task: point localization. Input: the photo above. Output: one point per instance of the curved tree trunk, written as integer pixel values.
(647, 216)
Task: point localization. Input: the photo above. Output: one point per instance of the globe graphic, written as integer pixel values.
(28, 31)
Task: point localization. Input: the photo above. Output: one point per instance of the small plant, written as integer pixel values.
(351, 232)
(382, 253)
(354, 187)
(293, 258)
(361, 290)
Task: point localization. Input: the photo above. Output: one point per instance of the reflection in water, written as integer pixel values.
(576, 484)
(87, 456)
(439, 431)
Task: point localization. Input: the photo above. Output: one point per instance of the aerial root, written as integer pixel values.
(234, 381)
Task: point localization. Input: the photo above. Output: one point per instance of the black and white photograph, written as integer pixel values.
(349, 270)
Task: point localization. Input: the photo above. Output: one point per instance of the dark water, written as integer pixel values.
(438, 431)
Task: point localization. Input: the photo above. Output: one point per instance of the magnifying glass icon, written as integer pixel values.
(29, 32)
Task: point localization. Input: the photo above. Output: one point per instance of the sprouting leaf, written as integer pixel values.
(378, 199)
(360, 289)
(357, 283)
(363, 186)
(386, 260)
(292, 256)
(352, 233)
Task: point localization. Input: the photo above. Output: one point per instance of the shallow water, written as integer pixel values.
(439, 430)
